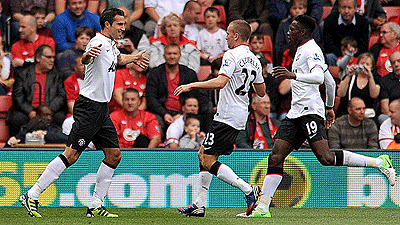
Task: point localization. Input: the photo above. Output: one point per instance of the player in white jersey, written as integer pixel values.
(91, 115)
(305, 119)
(240, 71)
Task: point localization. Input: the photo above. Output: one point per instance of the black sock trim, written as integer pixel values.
(64, 160)
(202, 168)
(339, 158)
(275, 170)
(112, 167)
(214, 168)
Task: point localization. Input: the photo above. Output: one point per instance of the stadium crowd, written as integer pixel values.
(42, 42)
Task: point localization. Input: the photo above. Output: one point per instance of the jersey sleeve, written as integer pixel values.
(92, 43)
(315, 60)
(259, 77)
(228, 64)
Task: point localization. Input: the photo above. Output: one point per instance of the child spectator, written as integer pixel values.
(192, 138)
(40, 16)
(6, 81)
(349, 47)
(256, 46)
(212, 39)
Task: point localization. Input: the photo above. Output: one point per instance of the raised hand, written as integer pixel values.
(142, 59)
(281, 71)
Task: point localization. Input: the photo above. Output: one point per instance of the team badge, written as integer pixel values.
(127, 83)
(139, 123)
(316, 57)
(123, 122)
(142, 86)
(81, 142)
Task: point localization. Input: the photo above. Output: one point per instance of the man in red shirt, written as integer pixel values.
(135, 128)
(130, 77)
(24, 50)
(37, 84)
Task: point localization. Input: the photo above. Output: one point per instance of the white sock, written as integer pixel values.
(356, 160)
(204, 184)
(270, 184)
(226, 174)
(49, 175)
(103, 181)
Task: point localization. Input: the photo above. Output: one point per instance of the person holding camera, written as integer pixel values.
(389, 132)
(360, 81)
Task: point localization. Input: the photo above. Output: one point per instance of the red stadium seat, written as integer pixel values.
(391, 11)
(5, 105)
(326, 12)
(4, 135)
(222, 16)
(204, 72)
(268, 49)
(334, 71)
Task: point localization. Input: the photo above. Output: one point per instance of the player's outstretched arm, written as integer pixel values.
(89, 56)
(140, 58)
(216, 83)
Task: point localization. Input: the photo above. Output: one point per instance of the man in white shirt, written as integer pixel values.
(305, 119)
(91, 115)
(389, 132)
(240, 71)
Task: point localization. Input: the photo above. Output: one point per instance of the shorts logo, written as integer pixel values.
(81, 142)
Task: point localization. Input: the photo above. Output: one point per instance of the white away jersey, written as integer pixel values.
(306, 98)
(212, 44)
(98, 83)
(243, 69)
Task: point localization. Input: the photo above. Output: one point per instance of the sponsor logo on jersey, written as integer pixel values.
(113, 67)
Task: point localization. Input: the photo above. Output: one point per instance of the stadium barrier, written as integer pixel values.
(168, 178)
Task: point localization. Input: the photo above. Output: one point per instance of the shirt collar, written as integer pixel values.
(341, 21)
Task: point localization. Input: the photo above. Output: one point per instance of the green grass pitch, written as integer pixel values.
(216, 216)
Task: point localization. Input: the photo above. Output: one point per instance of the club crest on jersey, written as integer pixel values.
(225, 63)
(316, 57)
(113, 67)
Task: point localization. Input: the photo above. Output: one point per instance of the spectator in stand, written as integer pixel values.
(389, 132)
(5, 8)
(6, 78)
(255, 12)
(66, 23)
(297, 7)
(7, 26)
(191, 13)
(40, 16)
(349, 47)
(40, 127)
(23, 51)
(213, 94)
(72, 87)
(161, 83)
(172, 29)
(345, 23)
(19, 8)
(176, 130)
(133, 76)
(134, 38)
(211, 40)
(388, 43)
(157, 10)
(370, 9)
(390, 2)
(280, 10)
(134, 8)
(360, 81)
(354, 131)
(91, 5)
(390, 86)
(135, 128)
(260, 128)
(192, 139)
(66, 59)
(37, 84)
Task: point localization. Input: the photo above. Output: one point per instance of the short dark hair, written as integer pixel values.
(83, 30)
(348, 40)
(189, 117)
(109, 15)
(307, 22)
(131, 90)
(303, 2)
(212, 9)
(36, 123)
(173, 45)
(189, 5)
(242, 28)
(37, 9)
(216, 64)
(257, 35)
(39, 51)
